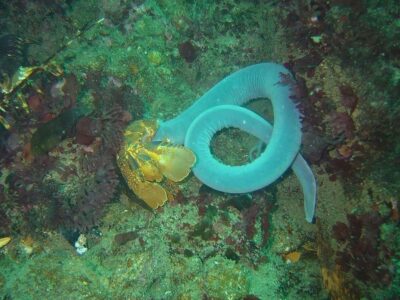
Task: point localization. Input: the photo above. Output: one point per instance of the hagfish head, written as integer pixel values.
(169, 132)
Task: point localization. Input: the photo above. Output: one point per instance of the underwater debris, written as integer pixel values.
(147, 168)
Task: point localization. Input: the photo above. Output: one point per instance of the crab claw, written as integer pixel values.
(152, 193)
(175, 162)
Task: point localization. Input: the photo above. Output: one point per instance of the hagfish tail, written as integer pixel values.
(221, 107)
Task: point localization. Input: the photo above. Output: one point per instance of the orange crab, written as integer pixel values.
(148, 169)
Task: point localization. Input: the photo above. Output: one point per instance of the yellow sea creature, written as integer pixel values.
(20, 76)
(292, 257)
(4, 241)
(149, 169)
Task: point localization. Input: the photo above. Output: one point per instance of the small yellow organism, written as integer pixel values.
(292, 257)
(147, 167)
(4, 241)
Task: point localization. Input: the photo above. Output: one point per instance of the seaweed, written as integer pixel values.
(361, 251)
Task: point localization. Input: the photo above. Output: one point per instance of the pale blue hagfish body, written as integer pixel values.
(220, 108)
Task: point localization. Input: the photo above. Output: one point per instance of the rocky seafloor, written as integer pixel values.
(70, 228)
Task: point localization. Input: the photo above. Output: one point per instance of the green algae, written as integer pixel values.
(225, 279)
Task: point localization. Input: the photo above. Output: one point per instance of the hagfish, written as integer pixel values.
(220, 108)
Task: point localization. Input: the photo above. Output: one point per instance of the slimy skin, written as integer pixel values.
(220, 107)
